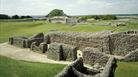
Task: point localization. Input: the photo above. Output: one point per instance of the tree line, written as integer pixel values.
(4, 16)
(99, 17)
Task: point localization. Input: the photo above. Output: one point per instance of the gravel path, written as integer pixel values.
(26, 54)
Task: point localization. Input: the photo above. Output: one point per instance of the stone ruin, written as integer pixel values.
(77, 69)
(95, 49)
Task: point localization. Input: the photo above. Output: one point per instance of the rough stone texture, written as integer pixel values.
(69, 52)
(18, 41)
(107, 42)
(123, 43)
(39, 38)
(42, 48)
(82, 39)
(76, 69)
(132, 56)
(60, 51)
(93, 55)
(55, 51)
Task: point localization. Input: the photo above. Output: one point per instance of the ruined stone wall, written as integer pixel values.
(76, 69)
(41, 48)
(93, 56)
(132, 56)
(60, 51)
(81, 39)
(26, 42)
(123, 43)
(18, 41)
(107, 42)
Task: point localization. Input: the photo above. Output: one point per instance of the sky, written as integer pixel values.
(70, 7)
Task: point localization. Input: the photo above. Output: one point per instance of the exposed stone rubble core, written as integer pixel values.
(60, 51)
(26, 42)
(123, 43)
(81, 39)
(111, 43)
(18, 41)
(76, 69)
(96, 49)
(94, 56)
(132, 56)
(41, 48)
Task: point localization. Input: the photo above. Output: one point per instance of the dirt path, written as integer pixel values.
(26, 54)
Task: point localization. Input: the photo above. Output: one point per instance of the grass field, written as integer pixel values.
(13, 68)
(127, 69)
(8, 29)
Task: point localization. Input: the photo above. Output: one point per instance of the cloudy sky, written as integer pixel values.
(70, 7)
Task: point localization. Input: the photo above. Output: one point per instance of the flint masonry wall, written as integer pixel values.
(18, 41)
(60, 51)
(111, 43)
(76, 69)
(93, 55)
(81, 39)
(123, 43)
(132, 56)
(26, 42)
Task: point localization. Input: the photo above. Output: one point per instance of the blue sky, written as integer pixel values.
(70, 7)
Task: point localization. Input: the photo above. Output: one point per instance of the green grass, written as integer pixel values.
(9, 29)
(15, 68)
(127, 69)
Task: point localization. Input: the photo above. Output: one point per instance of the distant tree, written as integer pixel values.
(56, 12)
(15, 17)
(22, 17)
(108, 17)
(3, 16)
(28, 17)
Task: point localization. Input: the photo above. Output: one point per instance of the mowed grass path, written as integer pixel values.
(15, 68)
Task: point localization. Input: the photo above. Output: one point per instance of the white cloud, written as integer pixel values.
(71, 7)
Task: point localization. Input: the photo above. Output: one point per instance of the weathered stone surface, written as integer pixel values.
(107, 42)
(93, 55)
(132, 56)
(42, 48)
(60, 51)
(18, 41)
(76, 69)
(123, 43)
(82, 39)
(39, 38)
(69, 52)
(55, 51)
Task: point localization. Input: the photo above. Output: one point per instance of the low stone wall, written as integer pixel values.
(26, 42)
(132, 56)
(81, 39)
(110, 43)
(123, 43)
(42, 48)
(60, 51)
(39, 38)
(18, 41)
(76, 69)
(94, 56)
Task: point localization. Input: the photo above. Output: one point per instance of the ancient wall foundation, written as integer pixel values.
(60, 51)
(76, 69)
